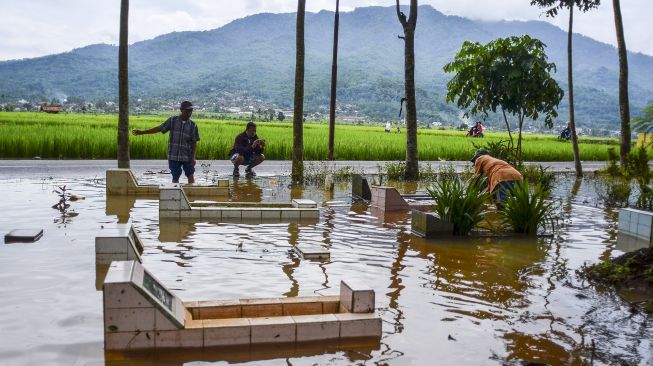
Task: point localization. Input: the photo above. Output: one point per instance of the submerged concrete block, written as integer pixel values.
(23, 235)
(388, 199)
(312, 252)
(129, 319)
(428, 224)
(317, 327)
(278, 329)
(636, 223)
(356, 297)
(227, 332)
(128, 341)
(359, 325)
(360, 187)
(304, 203)
(301, 306)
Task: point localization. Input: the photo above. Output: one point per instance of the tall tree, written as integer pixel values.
(512, 74)
(552, 8)
(412, 162)
(624, 107)
(334, 81)
(298, 113)
(123, 88)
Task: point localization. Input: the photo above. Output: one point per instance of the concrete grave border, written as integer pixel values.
(141, 313)
(123, 182)
(173, 203)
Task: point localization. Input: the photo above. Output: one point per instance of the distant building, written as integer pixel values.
(52, 109)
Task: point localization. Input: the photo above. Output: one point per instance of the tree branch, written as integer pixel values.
(401, 16)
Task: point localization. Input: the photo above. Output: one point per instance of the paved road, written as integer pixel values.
(91, 168)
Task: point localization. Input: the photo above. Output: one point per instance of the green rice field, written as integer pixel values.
(78, 136)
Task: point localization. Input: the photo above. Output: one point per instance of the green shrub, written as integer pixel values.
(536, 174)
(618, 194)
(526, 210)
(500, 149)
(460, 202)
(394, 170)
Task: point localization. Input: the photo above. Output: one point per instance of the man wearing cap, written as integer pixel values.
(501, 176)
(182, 145)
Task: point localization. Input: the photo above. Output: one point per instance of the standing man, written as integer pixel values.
(247, 150)
(388, 126)
(501, 176)
(182, 145)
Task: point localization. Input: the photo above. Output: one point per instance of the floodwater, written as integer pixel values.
(446, 302)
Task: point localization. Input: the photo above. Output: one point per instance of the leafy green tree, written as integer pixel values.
(297, 172)
(552, 7)
(644, 123)
(280, 116)
(123, 88)
(511, 74)
(409, 24)
(624, 108)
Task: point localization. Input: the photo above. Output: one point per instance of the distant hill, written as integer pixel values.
(255, 55)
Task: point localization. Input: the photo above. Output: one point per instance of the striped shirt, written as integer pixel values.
(183, 135)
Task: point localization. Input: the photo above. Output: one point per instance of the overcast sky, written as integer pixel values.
(32, 28)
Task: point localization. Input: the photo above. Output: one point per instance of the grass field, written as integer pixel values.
(76, 136)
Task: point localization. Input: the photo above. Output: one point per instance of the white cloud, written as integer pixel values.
(40, 27)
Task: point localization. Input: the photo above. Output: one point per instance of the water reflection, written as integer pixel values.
(502, 301)
(354, 351)
(245, 190)
(120, 206)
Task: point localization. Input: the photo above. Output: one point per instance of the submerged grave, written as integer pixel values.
(141, 313)
(123, 182)
(174, 203)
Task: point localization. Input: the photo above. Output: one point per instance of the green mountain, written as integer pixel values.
(255, 56)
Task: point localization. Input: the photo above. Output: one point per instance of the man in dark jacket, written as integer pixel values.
(247, 150)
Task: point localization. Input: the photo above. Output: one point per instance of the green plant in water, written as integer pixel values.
(500, 149)
(526, 210)
(460, 202)
(395, 170)
(537, 174)
(618, 194)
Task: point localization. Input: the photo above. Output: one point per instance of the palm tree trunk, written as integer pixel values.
(624, 107)
(505, 119)
(334, 81)
(572, 120)
(519, 139)
(412, 161)
(123, 88)
(298, 113)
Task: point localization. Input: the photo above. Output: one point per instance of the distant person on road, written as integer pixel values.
(388, 127)
(501, 176)
(182, 145)
(247, 150)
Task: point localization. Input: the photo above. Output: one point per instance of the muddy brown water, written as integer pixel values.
(448, 302)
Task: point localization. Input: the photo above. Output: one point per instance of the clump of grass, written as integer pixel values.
(526, 210)
(460, 202)
(537, 174)
(319, 173)
(500, 149)
(617, 193)
(393, 170)
(622, 270)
